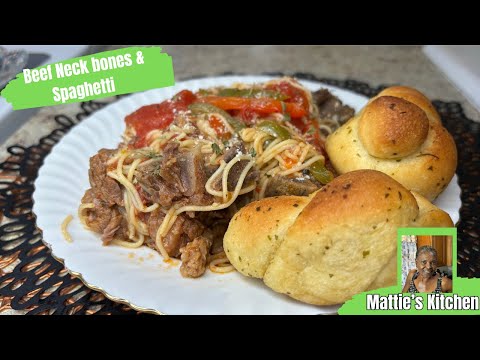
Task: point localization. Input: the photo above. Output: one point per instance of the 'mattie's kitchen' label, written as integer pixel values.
(91, 77)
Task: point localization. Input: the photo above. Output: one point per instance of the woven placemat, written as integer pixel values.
(40, 284)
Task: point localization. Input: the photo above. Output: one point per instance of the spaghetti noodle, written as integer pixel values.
(64, 227)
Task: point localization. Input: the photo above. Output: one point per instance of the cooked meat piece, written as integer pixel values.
(183, 170)
(122, 232)
(151, 166)
(209, 170)
(192, 228)
(112, 227)
(182, 231)
(217, 245)
(169, 169)
(88, 197)
(210, 218)
(281, 185)
(237, 148)
(173, 241)
(234, 175)
(99, 217)
(194, 257)
(242, 200)
(104, 186)
(192, 172)
(320, 96)
(331, 107)
(178, 176)
(154, 221)
(252, 177)
(165, 194)
(174, 244)
(104, 219)
(150, 243)
(201, 199)
(215, 234)
(154, 188)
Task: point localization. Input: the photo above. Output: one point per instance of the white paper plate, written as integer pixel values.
(139, 277)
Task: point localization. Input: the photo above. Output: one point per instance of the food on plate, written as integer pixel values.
(337, 242)
(186, 165)
(400, 133)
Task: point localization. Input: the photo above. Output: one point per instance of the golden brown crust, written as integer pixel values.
(338, 242)
(367, 142)
(392, 128)
(350, 226)
(414, 96)
(355, 197)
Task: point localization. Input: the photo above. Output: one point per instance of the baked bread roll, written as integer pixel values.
(337, 242)
(400, 133)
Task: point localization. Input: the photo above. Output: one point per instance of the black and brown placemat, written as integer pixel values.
(40, 284)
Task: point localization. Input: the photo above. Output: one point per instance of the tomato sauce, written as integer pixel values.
(157, 116)
(295, 95)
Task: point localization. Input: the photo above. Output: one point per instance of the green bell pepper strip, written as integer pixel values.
(274, 129)
(320, 172)
(252, 93)
(205, 108)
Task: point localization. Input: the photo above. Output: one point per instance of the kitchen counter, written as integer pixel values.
(375, 65)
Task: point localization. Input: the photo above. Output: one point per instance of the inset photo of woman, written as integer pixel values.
(427, 264)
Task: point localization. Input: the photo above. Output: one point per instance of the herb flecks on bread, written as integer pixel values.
(399, 133)
(339, 241)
